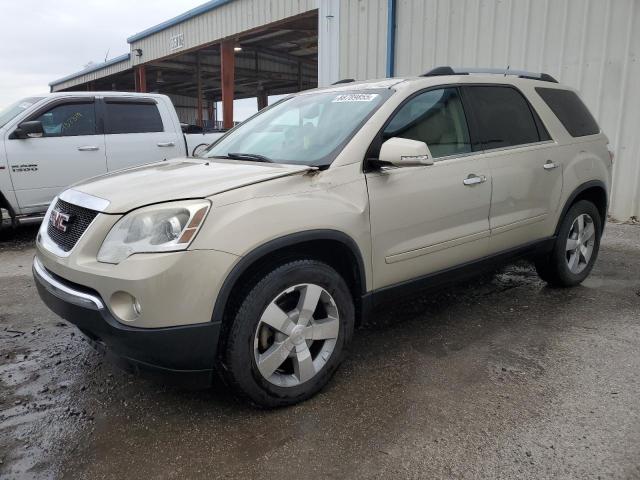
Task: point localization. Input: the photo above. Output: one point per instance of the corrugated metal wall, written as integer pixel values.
(328, 42)
(363, 38)
(592, 45)
(224, 21)
(187, 108)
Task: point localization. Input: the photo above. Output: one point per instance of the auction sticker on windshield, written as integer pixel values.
(355, 97)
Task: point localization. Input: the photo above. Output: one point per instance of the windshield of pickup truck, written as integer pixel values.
(308, 129)
(10, 112)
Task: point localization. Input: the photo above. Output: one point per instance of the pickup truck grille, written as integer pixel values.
(79, 220)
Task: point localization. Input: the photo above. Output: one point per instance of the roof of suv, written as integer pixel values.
(428, 80)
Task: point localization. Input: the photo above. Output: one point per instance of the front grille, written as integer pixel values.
(80, 218)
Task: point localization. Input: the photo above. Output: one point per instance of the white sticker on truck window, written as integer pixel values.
(355, 97)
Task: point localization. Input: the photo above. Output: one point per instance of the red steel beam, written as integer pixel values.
(140, 77)
(227, 62)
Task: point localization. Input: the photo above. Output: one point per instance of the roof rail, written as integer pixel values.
(344, 80)
(545, 77)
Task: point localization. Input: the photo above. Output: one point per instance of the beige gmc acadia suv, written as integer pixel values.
(256, 261)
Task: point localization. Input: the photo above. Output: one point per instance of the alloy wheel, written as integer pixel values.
(296, 335)
(580, 243)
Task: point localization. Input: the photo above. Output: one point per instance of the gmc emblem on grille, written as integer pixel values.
(59, 220)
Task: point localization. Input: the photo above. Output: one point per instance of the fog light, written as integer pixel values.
(125, 306)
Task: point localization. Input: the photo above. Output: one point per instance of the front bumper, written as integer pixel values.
(183, 354)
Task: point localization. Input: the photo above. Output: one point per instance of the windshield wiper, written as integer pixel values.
(252, 157)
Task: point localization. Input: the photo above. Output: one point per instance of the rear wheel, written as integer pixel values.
(289, 334)
(575, 249)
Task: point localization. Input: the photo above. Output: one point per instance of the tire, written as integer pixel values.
(561, 268)
(300, 365)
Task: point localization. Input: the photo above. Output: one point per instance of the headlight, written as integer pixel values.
(166, 227)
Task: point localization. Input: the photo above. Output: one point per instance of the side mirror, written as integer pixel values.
(191, 128)
(403, 152)
(31, 129)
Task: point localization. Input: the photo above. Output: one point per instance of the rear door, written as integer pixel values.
(71, 150)
(525, 170)
(138, 130)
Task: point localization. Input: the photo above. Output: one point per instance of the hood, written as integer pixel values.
(178, 179)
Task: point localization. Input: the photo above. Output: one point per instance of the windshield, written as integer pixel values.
(308, 129)
(7, 114)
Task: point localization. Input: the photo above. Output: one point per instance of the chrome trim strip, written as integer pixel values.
(64, 292)
(523, 145)
(85, 200)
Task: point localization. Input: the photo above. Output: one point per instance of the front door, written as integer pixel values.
(71, 149)
(426, 219)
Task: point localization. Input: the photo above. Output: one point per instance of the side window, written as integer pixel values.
(435, 117)
(570, 110)
(69, 120)
(503, 116)
(129, 117)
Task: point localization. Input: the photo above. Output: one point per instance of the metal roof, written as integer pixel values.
(98, 66)
(194, 12)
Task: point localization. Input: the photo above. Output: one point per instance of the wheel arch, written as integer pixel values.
(595, 191)
(333, 247)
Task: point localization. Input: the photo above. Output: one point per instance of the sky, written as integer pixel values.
(41, 41)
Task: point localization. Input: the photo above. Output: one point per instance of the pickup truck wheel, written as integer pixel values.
(575, 249)
(289, 334)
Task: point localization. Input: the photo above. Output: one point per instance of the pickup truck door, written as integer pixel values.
(429, 218)
(71, 149)
(139, 130)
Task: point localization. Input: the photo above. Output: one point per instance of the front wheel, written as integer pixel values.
(575, 249)
(289, 334)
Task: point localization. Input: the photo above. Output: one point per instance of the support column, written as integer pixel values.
(227, 62)
(210, 117)
(140, 77)
(263, 97)
(199, 90)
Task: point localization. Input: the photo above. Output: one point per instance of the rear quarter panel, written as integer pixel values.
(582, 159)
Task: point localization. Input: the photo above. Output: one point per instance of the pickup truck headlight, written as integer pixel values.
(166, 227)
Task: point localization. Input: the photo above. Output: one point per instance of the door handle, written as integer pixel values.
(474, 179)
(549, 165)
(166, 144)
(88, 148)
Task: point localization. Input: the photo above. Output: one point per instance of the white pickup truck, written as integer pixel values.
(50, 142)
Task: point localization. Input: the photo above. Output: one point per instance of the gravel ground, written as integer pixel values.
(500, 377)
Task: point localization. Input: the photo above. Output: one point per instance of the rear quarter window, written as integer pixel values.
(570, 110)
